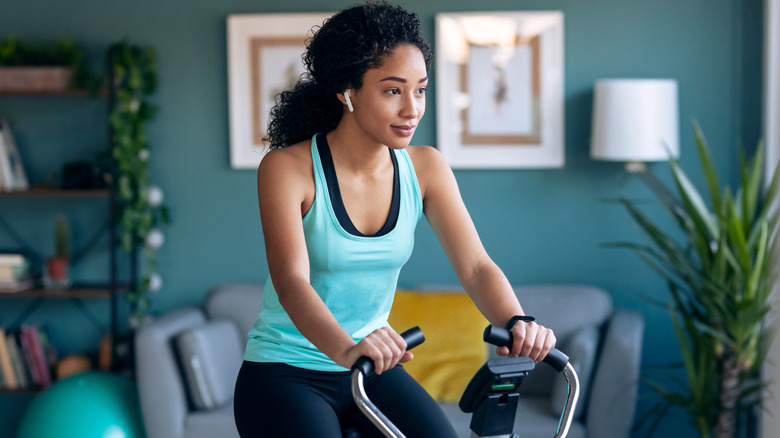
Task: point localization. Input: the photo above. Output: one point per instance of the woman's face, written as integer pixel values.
(391, 101)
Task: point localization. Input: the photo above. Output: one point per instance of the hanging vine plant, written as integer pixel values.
(139, 206)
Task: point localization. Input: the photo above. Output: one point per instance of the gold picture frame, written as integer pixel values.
(499, 89)
(264, 59)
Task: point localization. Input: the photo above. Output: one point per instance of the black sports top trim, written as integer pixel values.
(335, 193)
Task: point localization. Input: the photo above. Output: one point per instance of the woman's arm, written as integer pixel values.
(482, 279)
(284, 187)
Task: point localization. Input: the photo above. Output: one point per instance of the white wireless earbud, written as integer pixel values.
(348, 102)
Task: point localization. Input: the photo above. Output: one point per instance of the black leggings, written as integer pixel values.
(279, 400)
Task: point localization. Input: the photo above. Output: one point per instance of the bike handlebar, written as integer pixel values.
(503, 338)
(413, 337)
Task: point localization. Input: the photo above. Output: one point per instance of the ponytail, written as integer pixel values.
(301, 112)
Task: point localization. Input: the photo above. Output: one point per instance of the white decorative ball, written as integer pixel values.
(136, 322)
(143, 154)
(155, 196)
(155, 283)
(154, 239)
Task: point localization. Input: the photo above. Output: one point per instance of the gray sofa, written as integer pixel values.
(187, 360)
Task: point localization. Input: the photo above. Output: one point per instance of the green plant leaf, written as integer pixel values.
(769, 203)
(693, 202)
(708, 166)
(736, 234)
(750, 174)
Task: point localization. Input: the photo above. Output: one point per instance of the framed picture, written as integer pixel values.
(499, 89)
(264, 59)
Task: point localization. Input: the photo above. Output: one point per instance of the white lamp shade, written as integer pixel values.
(635, 120)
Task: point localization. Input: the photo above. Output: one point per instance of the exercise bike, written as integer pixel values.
(492, 394)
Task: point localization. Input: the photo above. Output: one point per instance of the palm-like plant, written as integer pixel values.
(720, 276)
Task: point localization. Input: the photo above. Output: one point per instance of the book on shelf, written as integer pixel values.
(21, 369)
(12, 287)
(6, 366)
(36, 357)
(15, 273)
(12, 259)
(11, 167)
(27, 358)
(40, 357)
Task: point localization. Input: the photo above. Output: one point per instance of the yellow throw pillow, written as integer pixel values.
(453, 349)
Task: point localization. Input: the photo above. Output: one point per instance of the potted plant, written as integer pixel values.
(43, 68)
(720, 275)
(57, 266)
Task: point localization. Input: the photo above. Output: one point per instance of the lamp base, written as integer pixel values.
(636, 167)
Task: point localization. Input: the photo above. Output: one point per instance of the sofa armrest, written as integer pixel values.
(612, 403)
(161, 389)
(237, 302)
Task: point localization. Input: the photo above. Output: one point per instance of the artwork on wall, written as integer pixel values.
(499, 89)
(264, 59)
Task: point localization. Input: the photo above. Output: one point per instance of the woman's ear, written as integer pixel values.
(346, 99)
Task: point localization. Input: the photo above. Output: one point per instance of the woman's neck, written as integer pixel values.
(355, 151)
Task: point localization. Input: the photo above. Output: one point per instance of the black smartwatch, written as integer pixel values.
(516, 318)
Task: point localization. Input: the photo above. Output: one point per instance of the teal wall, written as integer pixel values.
(540, 226)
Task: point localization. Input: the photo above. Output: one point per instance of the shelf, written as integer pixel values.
(71, 92)
(25, 391)
(75, 291)
(55, 193)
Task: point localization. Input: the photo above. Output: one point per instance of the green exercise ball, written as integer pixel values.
(93, 404)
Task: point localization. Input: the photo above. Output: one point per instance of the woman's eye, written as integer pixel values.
(421, 90)
(393, 91)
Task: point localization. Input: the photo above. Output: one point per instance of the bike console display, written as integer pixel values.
(492, 395)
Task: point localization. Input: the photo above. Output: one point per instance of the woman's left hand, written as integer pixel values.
(529, 340)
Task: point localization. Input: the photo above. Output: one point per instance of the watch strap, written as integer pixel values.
(514, 319)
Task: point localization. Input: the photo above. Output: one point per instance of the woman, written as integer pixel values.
(340, 194)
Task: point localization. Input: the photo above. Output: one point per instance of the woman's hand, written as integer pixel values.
(529, 339)
(383, 346)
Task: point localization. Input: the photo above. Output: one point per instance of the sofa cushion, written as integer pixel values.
(582, 349)
(210, 357)
(453, 349)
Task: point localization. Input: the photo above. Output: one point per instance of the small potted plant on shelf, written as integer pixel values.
(57, 266)
(43, 68)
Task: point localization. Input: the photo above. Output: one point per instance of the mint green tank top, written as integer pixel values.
(355, 276)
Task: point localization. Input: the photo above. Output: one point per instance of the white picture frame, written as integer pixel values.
(500, 89)
(264, 59)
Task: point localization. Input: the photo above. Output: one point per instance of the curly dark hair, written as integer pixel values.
(337, 56)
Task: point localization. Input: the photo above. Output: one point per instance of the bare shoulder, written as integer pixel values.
(290, 161)
(429, 165)
(285, 175)
(423, 154)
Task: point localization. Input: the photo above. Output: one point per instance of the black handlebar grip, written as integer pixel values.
(503, 338)
(413, 337)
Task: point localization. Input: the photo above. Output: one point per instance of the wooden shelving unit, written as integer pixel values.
(75, 291)
(108, 290)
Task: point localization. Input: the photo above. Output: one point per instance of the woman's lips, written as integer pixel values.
(404, 130)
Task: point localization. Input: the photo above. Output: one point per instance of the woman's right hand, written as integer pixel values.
(383, 346)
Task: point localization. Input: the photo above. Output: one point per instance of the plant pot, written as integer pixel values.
(35, 79)
(57, 273)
